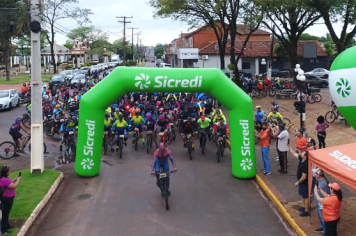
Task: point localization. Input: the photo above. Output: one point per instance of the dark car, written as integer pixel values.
(75, 80)
(277, 73)
(245, 74)
(56, 80)
(315, 81)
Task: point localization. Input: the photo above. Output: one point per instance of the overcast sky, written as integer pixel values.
(153, 31)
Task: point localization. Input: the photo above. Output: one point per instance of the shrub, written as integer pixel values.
(93, 63)
(68, 67)
(231, 67)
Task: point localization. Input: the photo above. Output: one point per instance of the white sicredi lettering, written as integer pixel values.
(245, 149)
(346, 160)
(88, 150)
(172, 83)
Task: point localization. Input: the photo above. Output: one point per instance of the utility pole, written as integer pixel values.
(37, 160)
(138, 39)
(132, 45)
(125, 22)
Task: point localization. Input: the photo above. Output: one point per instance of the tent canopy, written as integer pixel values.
(338, 161)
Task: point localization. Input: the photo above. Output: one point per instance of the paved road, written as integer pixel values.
(123, 199)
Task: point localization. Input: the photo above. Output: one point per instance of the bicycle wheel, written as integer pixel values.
(165, 191)
(48, 127)
(136, 141)
(203, 143)
(105, 147)
(189, 146)
(219, 152)
(272, 92)
(287, 123)
(7, 150)
(149, 143)
(44, 148)
(330, 117)
(73, 148)
(169, 137)
(263, 93)
(310, 99)
(173, 135)
(317, 97)
(121, 146)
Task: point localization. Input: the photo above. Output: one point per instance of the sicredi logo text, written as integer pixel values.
(245, 149)
(143, 82)
(88, 149)
(344, 159)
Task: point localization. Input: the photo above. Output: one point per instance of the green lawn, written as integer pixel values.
(30, 191)
(23, 78)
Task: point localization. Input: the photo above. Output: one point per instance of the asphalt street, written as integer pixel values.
(124, 200)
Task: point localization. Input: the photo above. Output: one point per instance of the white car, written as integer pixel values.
(9, 99)
(320, 72)
(165, 65)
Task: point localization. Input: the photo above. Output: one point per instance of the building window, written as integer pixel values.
(246, 65)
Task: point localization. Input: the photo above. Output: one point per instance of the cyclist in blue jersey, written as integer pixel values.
(15, 130)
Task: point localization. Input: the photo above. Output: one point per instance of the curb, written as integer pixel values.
(40, 206)
(280, 207)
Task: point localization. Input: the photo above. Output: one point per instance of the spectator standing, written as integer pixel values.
(259, 114)
(249, 88)
(320, 126)
(8, 188)
(302, 142)
(323, 184)
(283, 140)
(302, 176)
(300, 106)
(331, 207)
(264, 137)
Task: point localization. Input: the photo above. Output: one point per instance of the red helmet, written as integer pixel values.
(47, 92)
(202, 118)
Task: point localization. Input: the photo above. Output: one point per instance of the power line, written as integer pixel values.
(125, 22)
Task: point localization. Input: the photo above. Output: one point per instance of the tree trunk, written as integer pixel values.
(293, 57)
(52, 53)
(7, 55)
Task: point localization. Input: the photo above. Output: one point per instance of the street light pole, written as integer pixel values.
(263, 63)
(300, 77)
(37, 160)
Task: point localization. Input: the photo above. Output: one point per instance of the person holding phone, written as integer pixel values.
(8, 188)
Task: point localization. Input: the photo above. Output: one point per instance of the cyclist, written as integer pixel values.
(216, 109)
(134, 109)
(46, 110)
(80, 86)
(222, 130)
(126, 108)
(164, 126)
(137, 121)
(24, 89)
(259, 114)
(119, 127)
(204, 124)
(107, 127)
(15, 130)
(150, 125)
(278, 83)
(45, 96)
(160, 159)
(188, 127)
(274, 115)
(185, 114)
(116, 114)
(67, 126)
(208, 106)
(275, 105)
(193, 110)
(56, 117)
(259, 87)
(219, 116)
(169, 115)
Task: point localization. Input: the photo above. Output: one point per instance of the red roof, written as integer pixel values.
(258, 48)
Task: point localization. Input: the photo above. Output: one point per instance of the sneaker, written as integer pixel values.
(117, 149)
(263, 170)
(267, 173)
(193, 149)
(143, 144)
(125, 144)
(21, 151)
(302, 209)
(304, 214)
(320, 230)
(283, 172)
(277, 158)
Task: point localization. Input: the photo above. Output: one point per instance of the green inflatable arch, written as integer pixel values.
(125, 79)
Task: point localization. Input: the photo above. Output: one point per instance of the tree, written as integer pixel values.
(55, 10)
(291, 19)
(306, 36)
(159, 50)
(98, 46)
(210, 13)
(91, 33)
(118, 48)
(337, 11)
(13, 15)
(68, 44)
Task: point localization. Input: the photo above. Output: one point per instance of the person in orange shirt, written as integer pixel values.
(264, 137)
(302, 142)
(134, 109)
(331, 207)
(24, 89)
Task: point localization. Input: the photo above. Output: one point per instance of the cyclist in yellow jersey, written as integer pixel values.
(137, 121)
(274, 115)
(109, 111)
(120, 126)
(107, 127)
(116, 114)
(172, 96)
(216, 108)
(218, 116)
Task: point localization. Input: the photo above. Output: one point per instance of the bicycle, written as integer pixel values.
(121, 144)
(8, 149)
(149, 140)
(189, 145)
(164, 184)
(163, 138)
(203, 140)
(105, 143)
(136, 136)
(171, 135)
(220, 145)
(332, 115)
(69, 143)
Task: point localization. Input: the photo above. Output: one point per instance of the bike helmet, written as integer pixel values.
(24, 84)
(57, 106)
(148, 115)
(258, 107)
(47, 92)
(121, 116)
(61, 89)
(218, 112)
(161, 117)
(117, 109)
(25, 115)
(209, 100)
(54, 103)
(202, 118)
(74, 118)
(273, 101)
(137, 113)
(189, 119)
(216, 106)
(107, 115)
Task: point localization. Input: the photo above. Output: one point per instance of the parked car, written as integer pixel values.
(67, 74)
(85, 68)
(8, 99)
(165, 65)
(315, 81)
(94, 68)
(158, 62)
(75, 80)
(277, 73)
(245, 74)
(56, 80)
(320, 72)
